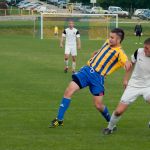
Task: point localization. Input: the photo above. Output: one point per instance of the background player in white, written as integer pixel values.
(139, 84)
(72, 42)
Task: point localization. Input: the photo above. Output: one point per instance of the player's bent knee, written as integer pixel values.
(99, 106)
(121, 108)
(66, 58)
(74, 59)
(68, 94)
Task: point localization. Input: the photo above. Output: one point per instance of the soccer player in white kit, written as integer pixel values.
(138, 85)
(72, 42)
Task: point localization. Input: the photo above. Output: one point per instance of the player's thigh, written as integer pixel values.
(146, 94)
(130, 95)
(96, 85)
(73, 51)
(97, 90)
(81, 78)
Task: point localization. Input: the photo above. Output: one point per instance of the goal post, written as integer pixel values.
(91, 26)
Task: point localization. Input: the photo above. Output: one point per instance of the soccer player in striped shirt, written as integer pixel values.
(108, 59)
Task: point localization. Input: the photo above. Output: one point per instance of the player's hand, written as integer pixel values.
(94, 53)
(61, 46)
(79, 47)
(125, 83)
(128, 65)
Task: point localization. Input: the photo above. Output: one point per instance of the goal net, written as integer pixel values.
(90, 26)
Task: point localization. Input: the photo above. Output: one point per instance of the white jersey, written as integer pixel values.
(141, 73)
(71, 35)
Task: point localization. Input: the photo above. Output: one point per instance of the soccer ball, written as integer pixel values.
(149, 124)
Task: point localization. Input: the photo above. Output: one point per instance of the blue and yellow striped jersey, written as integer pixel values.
(108, 59)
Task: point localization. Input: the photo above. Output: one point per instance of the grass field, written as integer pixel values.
(32, 83)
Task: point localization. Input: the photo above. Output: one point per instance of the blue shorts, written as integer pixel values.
(87, 76)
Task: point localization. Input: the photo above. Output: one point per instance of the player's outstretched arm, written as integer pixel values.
(62, 42)
(94, 53)
(78, 43)
(127, 75)
(128, 65)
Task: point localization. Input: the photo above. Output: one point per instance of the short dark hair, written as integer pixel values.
(119, 32)
(70, 20)
(147, 41)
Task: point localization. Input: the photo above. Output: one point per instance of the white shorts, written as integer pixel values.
(71, 50)
(131, 93)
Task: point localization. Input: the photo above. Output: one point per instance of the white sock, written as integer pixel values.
(113, 121)
(73, 66)
(66, 63)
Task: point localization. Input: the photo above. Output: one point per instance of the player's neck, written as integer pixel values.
(114, 46)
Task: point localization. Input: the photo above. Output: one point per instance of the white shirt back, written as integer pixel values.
(71, 35)
(141, 73)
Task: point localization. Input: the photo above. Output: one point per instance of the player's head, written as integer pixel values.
(71, 24)
(147, 47)
(116, 36)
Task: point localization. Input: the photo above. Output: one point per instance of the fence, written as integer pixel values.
(7, 12)
(30, 24)
(19, 25)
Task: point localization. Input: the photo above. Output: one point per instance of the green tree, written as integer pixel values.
(81, 1)
(122, 3)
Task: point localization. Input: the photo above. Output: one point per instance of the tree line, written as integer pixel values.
(130, 4)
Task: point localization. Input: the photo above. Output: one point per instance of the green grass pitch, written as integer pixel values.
(32, 83)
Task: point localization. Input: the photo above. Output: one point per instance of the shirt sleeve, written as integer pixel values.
(122, 58)
(134, 56)
(77, 34)
(64, 33)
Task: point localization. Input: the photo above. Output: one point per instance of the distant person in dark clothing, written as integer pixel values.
(138, 31)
